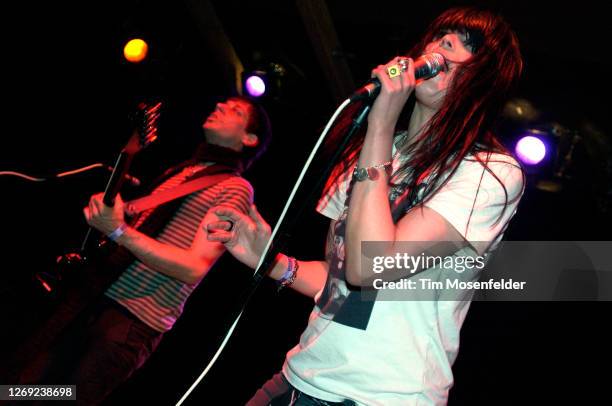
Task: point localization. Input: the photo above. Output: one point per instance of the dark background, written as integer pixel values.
(67, 95)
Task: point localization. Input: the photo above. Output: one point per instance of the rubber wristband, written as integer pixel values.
(118, 232)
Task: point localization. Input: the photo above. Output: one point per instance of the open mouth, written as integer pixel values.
(214, 116)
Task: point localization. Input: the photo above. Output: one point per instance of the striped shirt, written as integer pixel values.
(153, 297)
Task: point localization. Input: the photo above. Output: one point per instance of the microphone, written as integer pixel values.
(425, 66)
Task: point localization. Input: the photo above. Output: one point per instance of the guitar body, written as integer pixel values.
(73, 302)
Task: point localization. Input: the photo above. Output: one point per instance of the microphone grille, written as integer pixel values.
(429, 65)
(436, 60)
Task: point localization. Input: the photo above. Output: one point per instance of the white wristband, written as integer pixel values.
(118, 232)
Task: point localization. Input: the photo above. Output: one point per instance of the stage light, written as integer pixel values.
(255, 84)
(135, 50)
(264, 80)
(530, 150)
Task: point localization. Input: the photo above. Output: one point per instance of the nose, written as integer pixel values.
(442, 43)
(221, 107)
(445, 42)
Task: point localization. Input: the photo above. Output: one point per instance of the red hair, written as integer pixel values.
(473, 103)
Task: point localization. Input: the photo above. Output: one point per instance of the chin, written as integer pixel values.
(429, 95)
(209, 134)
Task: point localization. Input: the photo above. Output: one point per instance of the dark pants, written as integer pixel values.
(97, 352)
(278, 392)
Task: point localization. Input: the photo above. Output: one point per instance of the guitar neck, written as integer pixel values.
(113, 187)
(141, 137)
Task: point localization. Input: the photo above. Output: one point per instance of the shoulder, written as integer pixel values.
(235, 192)
(237, 185)
(493, 169)
(236, 182)
(233, 185)
(495, 161)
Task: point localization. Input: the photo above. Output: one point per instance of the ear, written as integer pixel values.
(250, 140)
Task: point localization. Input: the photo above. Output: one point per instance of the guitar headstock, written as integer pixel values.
(147, 120)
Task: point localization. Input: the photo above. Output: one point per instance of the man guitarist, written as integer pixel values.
(163, 255)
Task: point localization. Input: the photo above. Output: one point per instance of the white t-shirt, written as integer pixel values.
(400, 352)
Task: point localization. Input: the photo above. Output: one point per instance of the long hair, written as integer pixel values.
(473, 102)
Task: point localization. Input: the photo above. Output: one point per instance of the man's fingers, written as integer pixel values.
(87, 214)
(98, 204)
(93, 208)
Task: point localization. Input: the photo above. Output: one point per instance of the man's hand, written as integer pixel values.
(102, 217)
(245, 237)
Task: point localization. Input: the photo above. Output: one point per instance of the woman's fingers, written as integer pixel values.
(396, 75)
(380, 72)
(260, 222)
(220, 236)
(231, 214)
(407, 76)
(219, 226)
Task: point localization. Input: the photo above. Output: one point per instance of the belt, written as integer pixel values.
(308, 400)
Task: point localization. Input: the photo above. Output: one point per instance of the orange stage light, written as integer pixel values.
(135, 50)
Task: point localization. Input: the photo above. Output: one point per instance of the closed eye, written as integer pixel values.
(237, 110)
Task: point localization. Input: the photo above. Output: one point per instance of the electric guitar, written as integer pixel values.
(80, 279)
(93, 245)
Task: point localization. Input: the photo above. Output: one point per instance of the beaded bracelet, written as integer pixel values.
(371, 173)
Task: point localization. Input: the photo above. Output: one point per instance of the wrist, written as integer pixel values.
(117, 234)
(361, 173)
(378, 129)
(289, 275)
(280, 266)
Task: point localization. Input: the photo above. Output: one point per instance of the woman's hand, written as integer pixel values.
(393, 95)
(245, 237)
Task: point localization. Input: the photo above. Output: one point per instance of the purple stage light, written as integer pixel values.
(530, 150)
(255, 86)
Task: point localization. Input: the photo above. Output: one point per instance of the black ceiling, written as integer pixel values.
(72, 52)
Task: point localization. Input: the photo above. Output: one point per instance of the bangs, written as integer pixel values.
(475, 24)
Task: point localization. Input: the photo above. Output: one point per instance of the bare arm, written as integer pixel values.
(247, 239)
(187, 265)
(312, 275)
(369, 217)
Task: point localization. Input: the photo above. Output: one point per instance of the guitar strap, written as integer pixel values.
(153, 200)
(120, 258)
